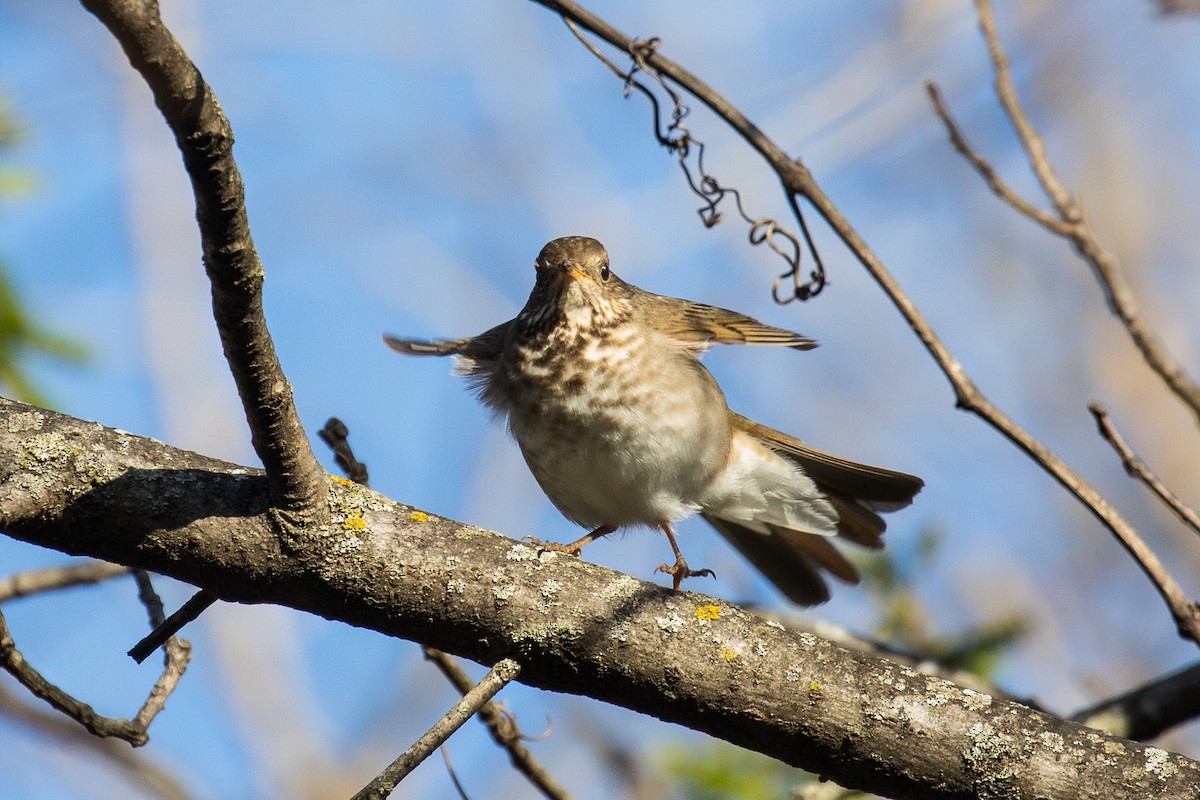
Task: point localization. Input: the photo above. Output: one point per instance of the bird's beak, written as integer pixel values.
(567, 272)
(574, 273)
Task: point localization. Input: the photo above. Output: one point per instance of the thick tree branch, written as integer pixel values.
(798, 181)
(205, 139)
(574, 627)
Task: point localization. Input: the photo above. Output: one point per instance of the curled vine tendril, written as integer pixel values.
(677, 139)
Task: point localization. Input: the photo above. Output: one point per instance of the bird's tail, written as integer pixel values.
(794, 559)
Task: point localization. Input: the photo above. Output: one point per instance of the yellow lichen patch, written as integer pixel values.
(708, 613)
(727, 654)
(342, 481)
(419, 516)
(813, 686)
(355, 524)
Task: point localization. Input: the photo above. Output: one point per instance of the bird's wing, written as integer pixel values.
(877, 488)
(698, 326)
(484, 347)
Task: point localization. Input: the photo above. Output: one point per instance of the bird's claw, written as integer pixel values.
(681, 570)
(553, 547)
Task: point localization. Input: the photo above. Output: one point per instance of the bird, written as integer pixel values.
(602, 387)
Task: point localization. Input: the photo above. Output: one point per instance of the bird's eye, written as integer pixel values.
(605, 273)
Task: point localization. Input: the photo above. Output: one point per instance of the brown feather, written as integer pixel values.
(698, 325)
(778, 558)
(875, 487)
(487, 346)
(856, 523)
(819, 549)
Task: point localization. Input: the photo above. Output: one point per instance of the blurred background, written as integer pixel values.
(404, 163)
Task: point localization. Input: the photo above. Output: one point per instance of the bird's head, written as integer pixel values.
(573, 277)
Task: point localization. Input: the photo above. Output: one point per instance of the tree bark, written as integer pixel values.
(574, 627)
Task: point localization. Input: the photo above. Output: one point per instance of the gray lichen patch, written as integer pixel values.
(53, 453)
(22, 421)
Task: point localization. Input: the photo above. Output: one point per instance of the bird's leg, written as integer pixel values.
(681, 569)
(575, 547)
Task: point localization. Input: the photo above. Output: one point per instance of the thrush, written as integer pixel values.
(602, 388)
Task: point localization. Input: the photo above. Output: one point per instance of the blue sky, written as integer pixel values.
(405, 162)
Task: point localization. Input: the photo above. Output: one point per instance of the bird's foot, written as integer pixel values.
(572, 549)
(681, 570)
(575, 547)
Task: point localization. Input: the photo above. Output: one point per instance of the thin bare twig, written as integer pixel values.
(1035, 148)
(23, 584)
(987, 172)
(797, 180)
(1071, 222)
(1137, 468)
(196, 605)
(133, 764)
(15, 664)
(499, 677)
(502, 726)
(458, 787)
(176, 653)
(174, 661)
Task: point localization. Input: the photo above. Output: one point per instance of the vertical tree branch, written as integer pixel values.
(205, 139)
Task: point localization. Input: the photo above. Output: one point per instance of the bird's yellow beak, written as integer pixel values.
(569, 273)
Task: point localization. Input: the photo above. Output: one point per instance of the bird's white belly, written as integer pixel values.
(625, 437)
